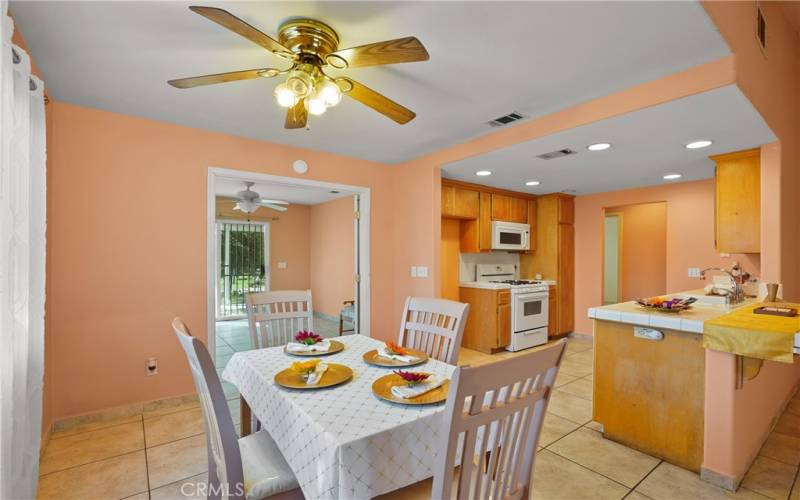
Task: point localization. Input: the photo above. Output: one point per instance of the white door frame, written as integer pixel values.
(217, 262)
(211, 217)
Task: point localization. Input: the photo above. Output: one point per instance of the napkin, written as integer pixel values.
(316, 376)
(323, 346)
(405, 392)
(383, 353)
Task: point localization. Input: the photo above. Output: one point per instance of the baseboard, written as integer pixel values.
(326, 317)
(121, 412)
(720, 480)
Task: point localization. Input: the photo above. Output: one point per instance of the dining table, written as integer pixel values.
(341, 442)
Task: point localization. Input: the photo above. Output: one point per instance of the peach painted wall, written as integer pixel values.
(332, 254)
(644, 249)
(738, 420)
(690, 239)
(127, 247)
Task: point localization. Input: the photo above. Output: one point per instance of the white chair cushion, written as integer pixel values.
(266, 472)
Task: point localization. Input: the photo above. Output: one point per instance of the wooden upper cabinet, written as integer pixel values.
(509, 209)
(566, 210)
(738, 202)
(459, 203)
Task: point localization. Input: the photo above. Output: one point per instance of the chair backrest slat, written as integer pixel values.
(225, 471)
(493, 418)
(275, 317)
(435, 326)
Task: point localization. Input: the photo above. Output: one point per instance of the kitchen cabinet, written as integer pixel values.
(532, 223)
(509, 208)
(552, 312)
(554, 257)
(459, 203)
(488, 327)
(738, 202)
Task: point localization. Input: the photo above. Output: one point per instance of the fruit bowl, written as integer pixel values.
(661, 304)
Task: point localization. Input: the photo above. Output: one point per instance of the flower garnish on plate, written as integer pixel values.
(393, 348)
(412, 378)
(307, 338)
(305, 367)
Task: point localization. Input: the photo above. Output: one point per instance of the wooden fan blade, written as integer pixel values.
(379, 102)
(297, 115)
(233, 23)
(233, 76)
(400, 50)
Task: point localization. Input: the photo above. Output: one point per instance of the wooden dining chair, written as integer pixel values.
(494, 416)
(275, 317)
(434, 326)
(250, 467)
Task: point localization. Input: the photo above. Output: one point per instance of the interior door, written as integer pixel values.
(612, 258)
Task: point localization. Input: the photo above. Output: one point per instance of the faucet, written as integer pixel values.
(737, 295)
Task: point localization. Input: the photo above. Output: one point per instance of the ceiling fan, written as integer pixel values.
(311, 46)
(249, 201)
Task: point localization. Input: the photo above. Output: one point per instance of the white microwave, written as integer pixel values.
(510, 236)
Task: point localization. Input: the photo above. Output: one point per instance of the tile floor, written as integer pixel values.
(159, 453)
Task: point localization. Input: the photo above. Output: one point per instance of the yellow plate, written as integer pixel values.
(335, 374)
(335, 347)
(382, 388)
(372, 358)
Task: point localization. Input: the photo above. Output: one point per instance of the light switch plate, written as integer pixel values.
(413, 271)
(422, 271)
(282, 265)
(694, 272)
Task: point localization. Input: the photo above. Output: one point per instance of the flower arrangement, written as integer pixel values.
(305, 368)
(307, 338)
(412, 378)
(393, 348)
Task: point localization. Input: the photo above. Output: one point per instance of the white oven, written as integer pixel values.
(528, 319)
(510, 236)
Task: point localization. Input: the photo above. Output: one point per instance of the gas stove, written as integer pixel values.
(517, 282)
(508, 275)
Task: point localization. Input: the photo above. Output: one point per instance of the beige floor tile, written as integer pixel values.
(556, 478)
(177, 460)
(770, 477)
(91, 446)
(668, 482)
(164, 407)
(635, 495)
(795, 495)
(571, 407)
(116, 477)
(576, 346)
(581, 387)
(186, 488)
(575, 368)
(555, 428)
(586, 357)
(620, 463)
(788, 424)
(173, 426)
(595, 426)
(563, 378)
(140, 496)
(782, 448)
(95, 425)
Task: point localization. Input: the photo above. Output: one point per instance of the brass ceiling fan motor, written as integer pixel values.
(311, 46)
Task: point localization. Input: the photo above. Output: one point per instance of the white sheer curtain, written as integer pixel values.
(22, 264)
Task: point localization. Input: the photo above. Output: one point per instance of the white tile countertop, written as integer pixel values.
(690, 320)
(488, 285)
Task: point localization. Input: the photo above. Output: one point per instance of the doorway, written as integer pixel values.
(634, 251)
(272, 248)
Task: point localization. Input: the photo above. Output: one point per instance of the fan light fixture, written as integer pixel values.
(699, 144)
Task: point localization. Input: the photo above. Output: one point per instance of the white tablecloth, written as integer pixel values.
(342, 442)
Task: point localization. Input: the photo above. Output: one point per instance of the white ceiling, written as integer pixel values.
(294, 194)
(487, 59)
(647, 144)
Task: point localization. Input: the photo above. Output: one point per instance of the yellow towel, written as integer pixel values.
(760, 336)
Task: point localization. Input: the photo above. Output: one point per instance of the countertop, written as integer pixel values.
(487, 285)
(690, 320)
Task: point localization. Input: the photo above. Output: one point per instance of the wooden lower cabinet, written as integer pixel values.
(488, 327)
(650, 394)
(552, 312)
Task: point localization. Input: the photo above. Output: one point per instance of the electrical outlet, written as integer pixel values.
(282, 265)
(694, 272)
(422, 271)
(151, 367)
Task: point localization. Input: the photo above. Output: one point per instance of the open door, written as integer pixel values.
(242, 265)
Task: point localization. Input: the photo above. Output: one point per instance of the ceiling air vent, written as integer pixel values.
(761, 29)
(556, 154)
(506, 119)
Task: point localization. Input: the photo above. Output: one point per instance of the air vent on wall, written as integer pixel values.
(506, 119)
(556, 154)
(761, 29)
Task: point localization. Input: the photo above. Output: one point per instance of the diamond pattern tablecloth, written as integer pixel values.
(342, 442)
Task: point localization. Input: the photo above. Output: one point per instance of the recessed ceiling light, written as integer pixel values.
(532, 183)
(600, 146)
(698, 144)
(670, 177)
(483, 173)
